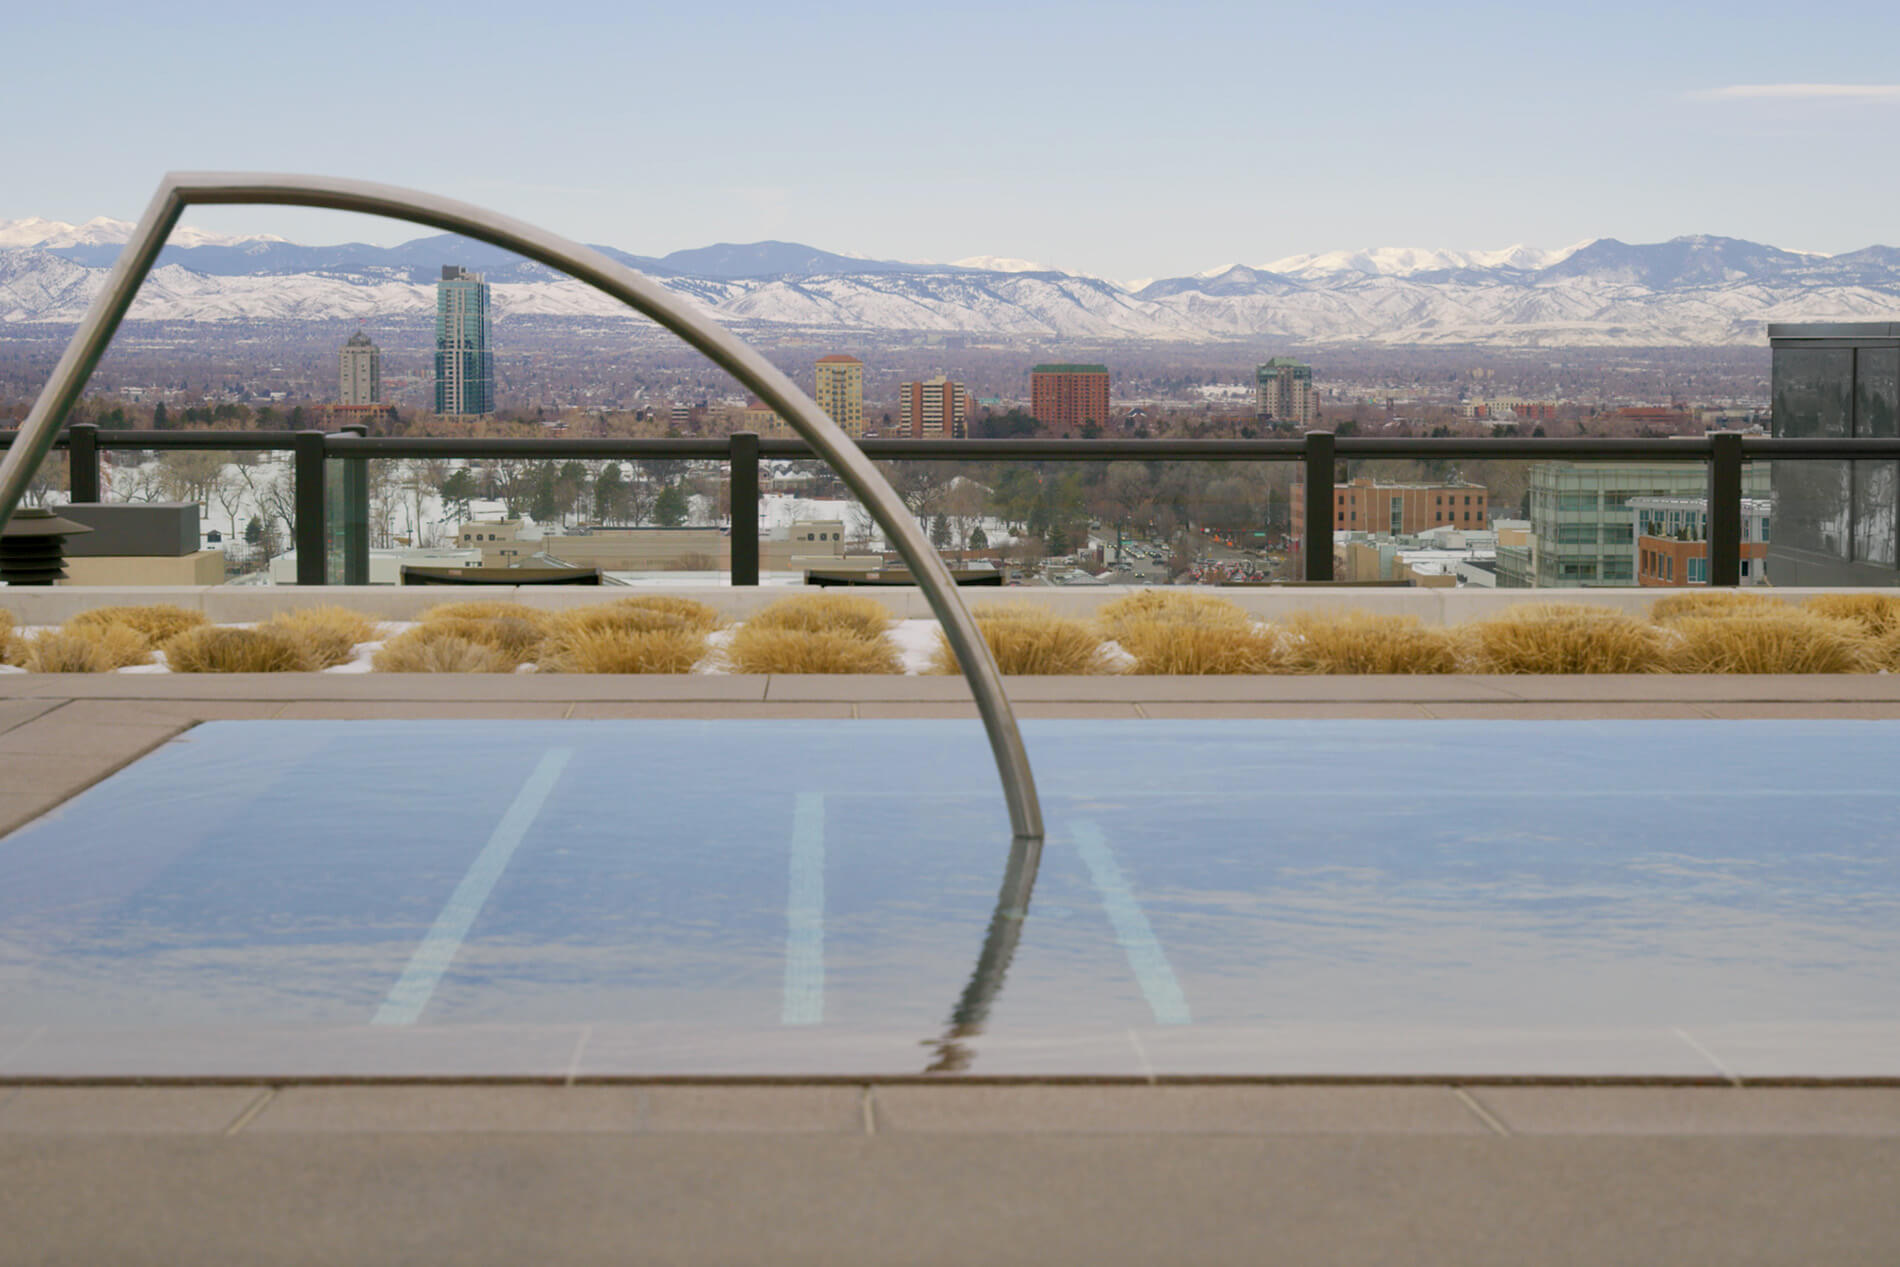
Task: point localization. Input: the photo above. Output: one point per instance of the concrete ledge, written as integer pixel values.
(239, 603)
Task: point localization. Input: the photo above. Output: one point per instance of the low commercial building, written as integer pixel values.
(511, 543)
(1398, 509)
(1583, 530)
(1672, 540)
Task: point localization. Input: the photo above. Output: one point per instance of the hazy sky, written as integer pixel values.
(1126, 140)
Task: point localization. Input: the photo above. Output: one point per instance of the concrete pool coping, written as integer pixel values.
(951, 1174)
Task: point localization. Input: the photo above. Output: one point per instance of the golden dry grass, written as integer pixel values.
(12, 646)
(1365, 642)
(1182, 607)
(1878, 615)
(618, 650)
(7, 622)
(437, 648)
(692, 614)
(489, 609)
(215, 649)
(518, 639)
(1172, 646)
(157, 623)
(329, 634)
(1715, 602)
(82, 649)
(1565, 638)
(613, 618)
(1786, 641)
(1027, 641)
(859, 617)
(757, 648)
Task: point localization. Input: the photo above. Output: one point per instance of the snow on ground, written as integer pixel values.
(916, 644)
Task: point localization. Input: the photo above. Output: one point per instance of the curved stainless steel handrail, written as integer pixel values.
(182, 189)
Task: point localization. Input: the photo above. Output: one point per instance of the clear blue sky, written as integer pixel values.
(1125, 139)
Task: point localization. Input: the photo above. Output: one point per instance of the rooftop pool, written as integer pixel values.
(1670, 899)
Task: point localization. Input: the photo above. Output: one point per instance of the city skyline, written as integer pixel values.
(1406, 125)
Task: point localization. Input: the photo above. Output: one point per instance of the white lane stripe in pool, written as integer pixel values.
(805, 915)
(413, 988)
(1137, 937)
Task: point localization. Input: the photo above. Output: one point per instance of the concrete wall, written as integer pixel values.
(236, 603)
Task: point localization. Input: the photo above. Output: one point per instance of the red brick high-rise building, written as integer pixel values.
(1069, 396)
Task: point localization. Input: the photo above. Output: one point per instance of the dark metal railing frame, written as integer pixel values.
(1319, 452)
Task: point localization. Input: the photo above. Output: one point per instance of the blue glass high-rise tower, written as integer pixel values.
(464, 367)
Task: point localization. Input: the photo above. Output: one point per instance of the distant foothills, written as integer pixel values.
(1695, 291)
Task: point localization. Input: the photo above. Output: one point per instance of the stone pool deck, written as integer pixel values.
(1215, 1171)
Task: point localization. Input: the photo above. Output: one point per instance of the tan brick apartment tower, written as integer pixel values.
(1067, 396)
(934, 409)
(840, 391)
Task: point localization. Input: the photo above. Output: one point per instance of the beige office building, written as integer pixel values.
(840, 391)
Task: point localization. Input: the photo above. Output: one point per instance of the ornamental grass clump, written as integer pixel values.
(613, 618)
(1178, 631)
(156, 623)
(1878, 615)
(1716, 602)
(605, 649)
(756, 648)
(489, 609)
(1168, 646)
(435, 647)
(516, 638)
(1181, 607)
(1026, 640)
(81, 649)
(1787, 641)
(12, 645)
(863, 618)
(693, 615)
(1364, 642)
(328, 635)
(217, 649)
(1565, 638)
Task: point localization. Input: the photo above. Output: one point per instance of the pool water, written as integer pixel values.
(1693, 899)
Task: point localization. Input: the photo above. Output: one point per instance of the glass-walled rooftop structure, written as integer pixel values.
(1835, 520)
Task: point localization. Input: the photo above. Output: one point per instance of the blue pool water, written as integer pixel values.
(1657, 898)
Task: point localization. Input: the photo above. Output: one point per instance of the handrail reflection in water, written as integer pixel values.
(992, 964)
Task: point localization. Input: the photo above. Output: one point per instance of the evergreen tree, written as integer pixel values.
(939, 531)
(669, 509)
(160, 419)
(979, 540)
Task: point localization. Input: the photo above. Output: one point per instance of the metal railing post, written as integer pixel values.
(744, 484)
(82, 461)
(307, 470)
(1318, 545)
(355, 513)
(1725, 508)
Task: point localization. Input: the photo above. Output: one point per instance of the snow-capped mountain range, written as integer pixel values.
(1689, 291)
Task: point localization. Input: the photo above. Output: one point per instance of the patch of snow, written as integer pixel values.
(916, 644)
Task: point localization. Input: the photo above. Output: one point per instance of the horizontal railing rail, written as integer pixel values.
(1318, 452)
